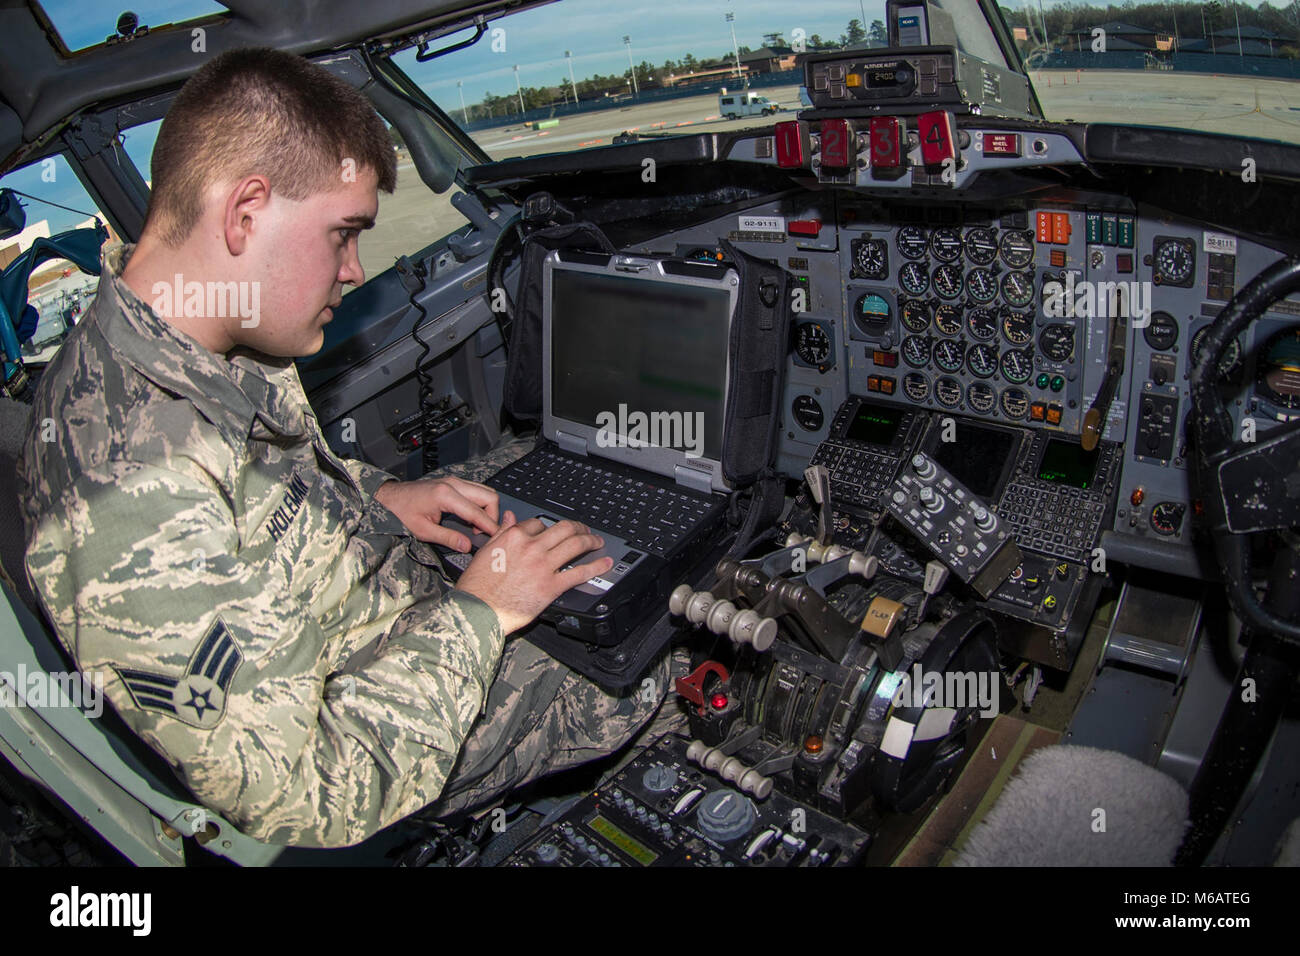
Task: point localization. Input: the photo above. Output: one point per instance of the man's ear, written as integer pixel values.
(246, 206)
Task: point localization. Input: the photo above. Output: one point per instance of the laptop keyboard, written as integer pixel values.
(647, 516)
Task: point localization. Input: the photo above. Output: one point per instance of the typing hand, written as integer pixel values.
(422, 504)
(517, 571)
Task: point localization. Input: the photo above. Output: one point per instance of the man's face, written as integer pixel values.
(303, 254)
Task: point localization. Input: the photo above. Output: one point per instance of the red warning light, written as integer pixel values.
(719, 701)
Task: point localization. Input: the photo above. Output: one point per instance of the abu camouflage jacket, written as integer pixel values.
(259, 620)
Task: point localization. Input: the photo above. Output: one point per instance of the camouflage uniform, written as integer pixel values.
(292, 651)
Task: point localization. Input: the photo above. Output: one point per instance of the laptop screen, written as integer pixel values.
(643, 358)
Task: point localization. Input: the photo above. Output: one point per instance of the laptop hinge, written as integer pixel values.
(693, 479)
(573, 443)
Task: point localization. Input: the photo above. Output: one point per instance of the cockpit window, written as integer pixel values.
(585, 72)
(81, 24)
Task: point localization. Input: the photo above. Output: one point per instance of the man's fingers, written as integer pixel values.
(448, 538)
(573, 547)
(582, 573)
(468, 511)
(483, 496)
(557, 532)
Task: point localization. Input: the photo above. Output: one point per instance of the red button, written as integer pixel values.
(719, 701)
(839, 146)
(938, 139)
(804, 227)
(1123, 262)
(792, 144)
(1057, 257)
(886, 142)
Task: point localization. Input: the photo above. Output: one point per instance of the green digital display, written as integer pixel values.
(874, 424)
(637, 851)
(1065, 463)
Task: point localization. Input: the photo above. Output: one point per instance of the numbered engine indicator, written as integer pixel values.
(914, 279)
(947, 391)
(916, 315)
(812, 345)
(945, 244)
(980, 397)
(871, 259)
(916, 351)
(1017, 249)
(1014, 403)
(1167, 517)
(1057, 342)
(912, 242)
(981, 246)
(1017, 289)
(1018, 327)
(981, 285)
(983, 324)
(947, 282)
(947, 319)
(982, 360)
(1015, 366)
(948, 355)
(916, 386)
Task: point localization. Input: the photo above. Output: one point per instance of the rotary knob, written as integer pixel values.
(984, 519)
(930, 500)
(725, 815)
(659, 779)
(924, 467)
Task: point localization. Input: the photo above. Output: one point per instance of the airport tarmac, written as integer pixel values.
(1236, 105)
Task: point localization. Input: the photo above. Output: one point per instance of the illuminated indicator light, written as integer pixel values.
(1057, 383)
(804, 227)
(1109, 231)
(1001, 144)
(838, 150)
(1043, 232)
(1139, 495)
(886, 385)
(938, 141)
(1037, 411)
(1060, 228)
(887, 359)
(1125, 229)
(1057, 257)
(1042, 380)
(791, 144)
(813, 744)
(719, 701)
(1093, 226)
(873, 383)
(853, 79)
(1198, 508)
(886, 141)
(1053, 414)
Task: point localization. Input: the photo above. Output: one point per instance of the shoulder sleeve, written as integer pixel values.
(367, 476)
(208, 658)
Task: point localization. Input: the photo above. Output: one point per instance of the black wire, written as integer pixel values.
(428, 442)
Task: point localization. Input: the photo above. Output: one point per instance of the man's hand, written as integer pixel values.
(517, 572)
(421, 504)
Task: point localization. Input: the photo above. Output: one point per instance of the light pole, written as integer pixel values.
(519, 90)
(460, 85)
(572, 82)
(627, 42)
(731, 19)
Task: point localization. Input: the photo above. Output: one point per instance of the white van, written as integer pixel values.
(734, 105)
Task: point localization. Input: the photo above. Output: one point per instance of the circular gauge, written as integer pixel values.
(1229, 362)
(981, 246)
(1018, 327)
(872, 259)
(945, 244)
(947, 391)
(1161, 332)
(981, 285)
(980, 397)
(807, 413)
(947, 281)
(916, 351)
(1014, 403)
(1277, 375)
(982, 360)
(811, 343)
(916, 386)
(1016, 367)
(916, 315)
(948, 355)
(1174, 261)
(947, 319)
(1018, 289)
(872, 313)
(1057, 342)
(912, 242)
(982, 323)
(1017, 249)
(1167, 517)
(913, 278)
